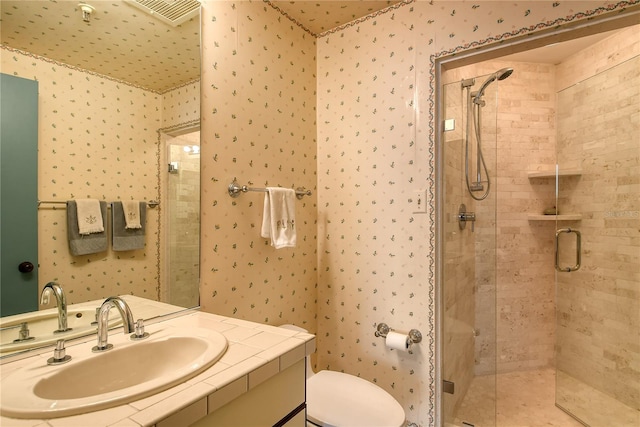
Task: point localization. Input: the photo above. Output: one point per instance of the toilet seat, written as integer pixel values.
(336, 399)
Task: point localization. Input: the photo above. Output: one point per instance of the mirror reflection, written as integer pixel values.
(116, 87)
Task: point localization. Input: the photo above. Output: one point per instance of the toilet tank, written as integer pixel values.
(299, 329)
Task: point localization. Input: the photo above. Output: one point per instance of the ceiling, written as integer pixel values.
(119, 40)
(128, 44)
(557, 52)
(319, 16)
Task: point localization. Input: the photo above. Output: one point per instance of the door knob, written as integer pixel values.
(25, 267)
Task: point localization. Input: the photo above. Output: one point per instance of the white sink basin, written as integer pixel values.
(42, 325)
(92, 381)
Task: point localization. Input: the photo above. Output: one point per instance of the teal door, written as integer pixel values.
(18, 195)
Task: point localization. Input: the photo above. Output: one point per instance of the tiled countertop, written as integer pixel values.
(256, 352)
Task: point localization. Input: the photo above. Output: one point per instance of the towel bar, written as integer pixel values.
(235, 189)
(150, 203)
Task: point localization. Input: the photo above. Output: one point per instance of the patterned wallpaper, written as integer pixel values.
(98, 139)
(375, 256)
(372, 265)
(258, 125)
(181, 105)
(318, 17)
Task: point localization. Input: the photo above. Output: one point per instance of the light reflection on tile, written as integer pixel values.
(525, 399)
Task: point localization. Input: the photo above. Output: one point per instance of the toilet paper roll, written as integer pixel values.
(397, 341)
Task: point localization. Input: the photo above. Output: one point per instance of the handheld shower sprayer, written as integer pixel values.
(474, 106)
(498, 75)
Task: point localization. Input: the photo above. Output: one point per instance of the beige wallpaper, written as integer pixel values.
(372, 264)
(98, 139)
(374, 256)
(259, 126)
(181, 105)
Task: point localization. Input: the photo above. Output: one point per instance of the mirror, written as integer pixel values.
(116, 83)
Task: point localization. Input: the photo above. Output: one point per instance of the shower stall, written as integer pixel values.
(182, 218)
(540, 240)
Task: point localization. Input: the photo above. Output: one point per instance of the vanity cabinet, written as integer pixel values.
(259, 381)
(277, 401)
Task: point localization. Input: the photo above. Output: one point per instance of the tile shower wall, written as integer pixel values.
(363, 280)
(180, 267)
(459, 289)
(182, 212)
(259, 126)
(97, 139)
(599, 305)
(526, 142)
(525, 291)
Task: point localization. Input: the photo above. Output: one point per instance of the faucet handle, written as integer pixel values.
(95, 322)
(139, 334)
(23, 333)
(59, 354)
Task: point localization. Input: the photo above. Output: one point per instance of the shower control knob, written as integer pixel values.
(467, 216)
(464, 217)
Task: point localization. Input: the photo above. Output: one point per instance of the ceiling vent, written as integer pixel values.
(172, 12)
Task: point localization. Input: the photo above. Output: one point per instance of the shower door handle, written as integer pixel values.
(578, 250)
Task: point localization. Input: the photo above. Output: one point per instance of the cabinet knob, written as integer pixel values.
(25, 267)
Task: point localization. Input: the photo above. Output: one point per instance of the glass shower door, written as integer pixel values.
(468, 264)
(598, 270)
(183, 220)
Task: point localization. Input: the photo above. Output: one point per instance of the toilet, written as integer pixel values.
(336, 399)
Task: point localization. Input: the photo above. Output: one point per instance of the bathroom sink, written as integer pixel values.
(42, 325)
(92, 381)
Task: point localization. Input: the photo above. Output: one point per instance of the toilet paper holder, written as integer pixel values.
(414, 336)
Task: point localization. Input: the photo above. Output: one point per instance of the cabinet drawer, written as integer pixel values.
(266, 404)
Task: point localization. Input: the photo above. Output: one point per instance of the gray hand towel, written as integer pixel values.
(123, 238)
(88, 243)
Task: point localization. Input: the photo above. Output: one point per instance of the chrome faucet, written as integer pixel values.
(61, 303)
(103, 321)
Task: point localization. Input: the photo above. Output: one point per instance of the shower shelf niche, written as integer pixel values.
(566, 217)
(552, 174)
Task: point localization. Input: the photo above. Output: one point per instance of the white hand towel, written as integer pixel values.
(279, 216)
(89, 216)
(131, 210)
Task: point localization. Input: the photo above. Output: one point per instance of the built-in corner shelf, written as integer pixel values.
(552, 173)
(565, 217)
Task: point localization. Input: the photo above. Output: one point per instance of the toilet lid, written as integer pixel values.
(335, 399)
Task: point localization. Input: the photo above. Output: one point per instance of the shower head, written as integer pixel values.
(504, 73)
(498, 75)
